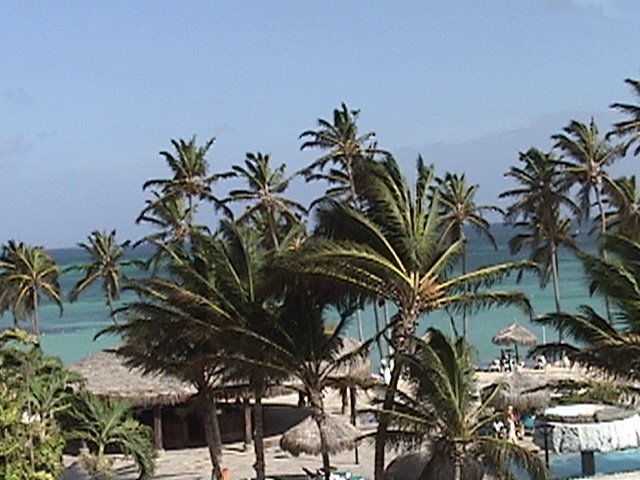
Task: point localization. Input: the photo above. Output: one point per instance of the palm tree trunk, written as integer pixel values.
(401, 338)
(114, 318)
(273, 230)
(209, 414)
(386, 326)
(318, 414)
(457, 463)
(464, 307)
(556, 283)
(603, 231)
(35, 327)
(258, 441)
(376, 316)
(360, 331)
(383, 423)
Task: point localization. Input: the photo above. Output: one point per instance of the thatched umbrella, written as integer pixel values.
(357, 372)
(515, 334)
(106, 375)
(305, 436)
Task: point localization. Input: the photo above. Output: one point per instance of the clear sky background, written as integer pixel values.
(91, 91)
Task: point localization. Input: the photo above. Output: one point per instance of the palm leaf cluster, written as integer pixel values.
(438, 410)
(26, 274)
(345, 150)
(608, 344)
(104, 424)
(106, 263)
(267, 209)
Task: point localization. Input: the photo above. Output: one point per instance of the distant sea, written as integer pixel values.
(71, 336)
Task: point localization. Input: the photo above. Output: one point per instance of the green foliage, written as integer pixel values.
(438, 409)
(102, 424)
(106, 261)
(33, 395)
(598, 392)
(611, 345)
(26, 273)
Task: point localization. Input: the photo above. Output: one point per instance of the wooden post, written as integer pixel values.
(248, 424)
(157, 427)
(352, 400)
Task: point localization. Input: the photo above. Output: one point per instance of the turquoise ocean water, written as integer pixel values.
(71, 336)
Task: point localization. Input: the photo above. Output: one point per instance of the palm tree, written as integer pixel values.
(266, 203)
(188, 325)
(26, 273)
(439, 409)
(171, 218)
(174, 328)
(393, 249)
(191, 178)
(533, 235)
(106, 424)
(586, 157)
(345, 149)
(299, 343)
(106, 256)
(459, 209)
(624, 217)
(537, 202)
(609, 345)
(631, 126)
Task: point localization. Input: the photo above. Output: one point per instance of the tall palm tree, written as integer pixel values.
(345, 149)
(609, 345)
(264, 195)
(106, 263)
(299, 343)
(187, 325)
(537, 202)
(174, 328)
(27, 273)
(624, 216)
(459, 209)
(630, 127)
(587, 157)
(171, 219)
(543, 245)
(438, 409)
(191, 179)
(393, 249)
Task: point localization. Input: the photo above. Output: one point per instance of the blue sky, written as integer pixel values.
(91, 91)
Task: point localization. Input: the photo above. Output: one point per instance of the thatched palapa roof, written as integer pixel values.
(524, 392)
(356, 372)
(305, 436)
(108, 376)
(515, 334)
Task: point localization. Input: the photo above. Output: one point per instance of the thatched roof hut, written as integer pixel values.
(524, 392)
(305, 436)
(108, 376)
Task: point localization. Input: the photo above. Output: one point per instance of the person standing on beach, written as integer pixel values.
(511, 425)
